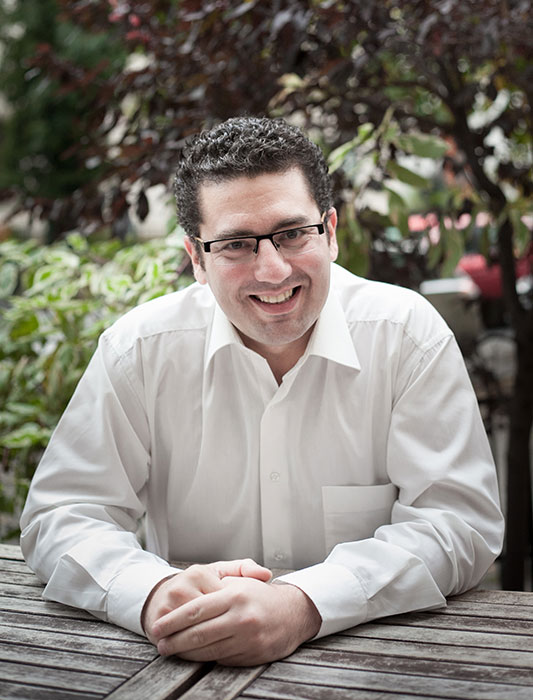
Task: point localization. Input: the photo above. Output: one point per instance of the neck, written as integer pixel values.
(281, 358)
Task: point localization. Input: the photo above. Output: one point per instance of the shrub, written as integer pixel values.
(55, 302)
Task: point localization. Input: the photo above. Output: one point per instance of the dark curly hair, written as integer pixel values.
(246, 146)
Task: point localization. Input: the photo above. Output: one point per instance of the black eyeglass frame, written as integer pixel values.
(321, 227)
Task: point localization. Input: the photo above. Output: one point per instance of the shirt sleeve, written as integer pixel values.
(446, 525)
(88, 494)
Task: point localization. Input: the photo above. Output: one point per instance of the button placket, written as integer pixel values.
(275, 496)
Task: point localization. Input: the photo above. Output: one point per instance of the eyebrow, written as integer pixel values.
(283, 225)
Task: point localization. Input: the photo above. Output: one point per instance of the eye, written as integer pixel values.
(294, 233)
(294, 238)
(234, 245)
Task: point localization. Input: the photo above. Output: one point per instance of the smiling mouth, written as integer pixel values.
(276, 298)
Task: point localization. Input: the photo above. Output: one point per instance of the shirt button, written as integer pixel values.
(279, 556)
(274, 476)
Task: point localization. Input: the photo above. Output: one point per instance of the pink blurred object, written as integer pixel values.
(488, 276)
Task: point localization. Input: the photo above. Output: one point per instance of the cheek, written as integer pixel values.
(223, 285)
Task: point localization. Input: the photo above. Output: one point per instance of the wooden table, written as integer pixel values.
(481, 646)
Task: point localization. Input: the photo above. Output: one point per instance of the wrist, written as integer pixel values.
(144, 612)
(305, 613)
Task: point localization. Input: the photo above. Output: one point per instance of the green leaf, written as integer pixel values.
(338, 155)
(22, 409)
(405, 175)
(454, 246)
(28, 435)
(422, 145)
(362, 171)
(77, 242)
(434, 254)
(364, 132)
(291, 81)
(61, 257)
(24, 327)
(9, 274)
(398, 212)
(171, 224)
(353, 243)
(522, 234)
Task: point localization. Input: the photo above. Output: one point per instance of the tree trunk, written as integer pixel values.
(519, 515)
(518, 536)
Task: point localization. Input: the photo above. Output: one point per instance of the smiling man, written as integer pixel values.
(279, 413)
(272, 299)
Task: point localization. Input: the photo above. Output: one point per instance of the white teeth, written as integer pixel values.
(276, 299)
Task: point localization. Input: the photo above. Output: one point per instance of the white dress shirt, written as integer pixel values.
(367, 470)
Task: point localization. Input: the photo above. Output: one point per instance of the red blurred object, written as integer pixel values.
(488, 276)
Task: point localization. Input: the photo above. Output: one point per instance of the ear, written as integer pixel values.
(198, 269)
(332, 228)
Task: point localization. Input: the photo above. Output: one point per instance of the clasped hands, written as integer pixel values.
(228, 612)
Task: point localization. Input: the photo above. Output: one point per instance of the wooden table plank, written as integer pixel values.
(416, 665)
(425, 650)
(20, 591)
(75, 643)
(43, 607)
(479, 647)
(84, 627)
(20, 691)
(275, 690)
(10, 551)
(114, 666)
(164, 678)
(463, 622)
(516, 642)
(77, 681)
(516, 611)
(223, 683)
(15, 565)
(25, 578)
(493, 596)
(393, 682)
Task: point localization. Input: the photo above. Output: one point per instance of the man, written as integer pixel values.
(279, 412)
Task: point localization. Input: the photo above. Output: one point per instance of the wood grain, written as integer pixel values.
(479, 647)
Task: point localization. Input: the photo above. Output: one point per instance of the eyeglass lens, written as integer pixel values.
(234, 251)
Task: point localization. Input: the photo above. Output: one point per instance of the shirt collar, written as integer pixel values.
(330, 339)
(222, 333)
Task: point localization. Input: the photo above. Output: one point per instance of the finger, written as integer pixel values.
(202, 578)
(225, 648)
(242, 567)
(252, 569)
(206, 641)
(185, 587)
(192, 613)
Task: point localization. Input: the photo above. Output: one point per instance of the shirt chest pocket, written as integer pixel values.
(355, 512)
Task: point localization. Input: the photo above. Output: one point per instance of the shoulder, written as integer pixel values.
(367, 302)
(187, 312)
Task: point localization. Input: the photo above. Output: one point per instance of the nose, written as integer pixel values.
(270, 265)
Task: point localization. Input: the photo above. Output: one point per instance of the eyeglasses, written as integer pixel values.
(243, 249)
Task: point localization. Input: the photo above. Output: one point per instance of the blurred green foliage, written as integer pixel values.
(55, 301)
(49, 110)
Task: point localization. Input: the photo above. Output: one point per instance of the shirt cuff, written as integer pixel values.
(336, 593)
(129, 590)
